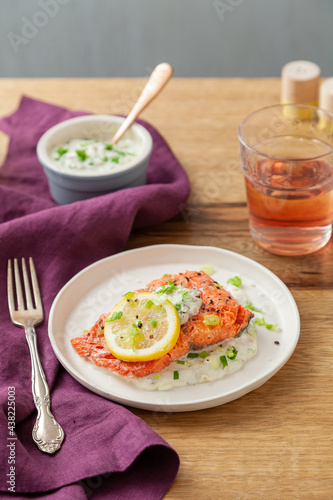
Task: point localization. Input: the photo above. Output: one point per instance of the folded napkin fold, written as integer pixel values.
(108, 452)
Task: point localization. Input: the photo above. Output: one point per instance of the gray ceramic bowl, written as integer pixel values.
(67, 187)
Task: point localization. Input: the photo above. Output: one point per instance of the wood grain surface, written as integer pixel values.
(275, 442)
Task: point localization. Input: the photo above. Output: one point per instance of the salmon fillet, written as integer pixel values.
(194, 334)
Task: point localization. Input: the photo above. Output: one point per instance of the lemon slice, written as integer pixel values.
(142, 327)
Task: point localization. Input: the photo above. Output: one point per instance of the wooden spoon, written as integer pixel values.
(158, 79)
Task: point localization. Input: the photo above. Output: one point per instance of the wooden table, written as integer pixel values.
(275, 442)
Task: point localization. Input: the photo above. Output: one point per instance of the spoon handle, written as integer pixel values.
(158, 79)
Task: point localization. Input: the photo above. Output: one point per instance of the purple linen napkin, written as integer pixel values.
(108, 452)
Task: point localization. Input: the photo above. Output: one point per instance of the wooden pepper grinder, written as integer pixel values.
(300, 82)
(326, 103)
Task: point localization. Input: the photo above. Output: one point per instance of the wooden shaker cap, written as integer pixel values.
(300, 82)
(326, 95)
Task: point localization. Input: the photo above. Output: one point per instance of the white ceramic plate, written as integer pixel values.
(99, 287)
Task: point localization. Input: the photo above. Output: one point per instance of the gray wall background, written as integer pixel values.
(200, 38)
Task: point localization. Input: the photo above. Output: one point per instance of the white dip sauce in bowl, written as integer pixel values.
(80, 162)
(90, 156)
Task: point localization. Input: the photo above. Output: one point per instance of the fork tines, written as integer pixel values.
(25, 301)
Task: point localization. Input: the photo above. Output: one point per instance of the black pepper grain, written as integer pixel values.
(277, 342)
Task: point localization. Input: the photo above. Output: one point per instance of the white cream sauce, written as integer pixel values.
(191, 371)
(187, 301)
(88, 157)
(211, 363)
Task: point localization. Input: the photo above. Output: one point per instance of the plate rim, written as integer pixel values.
(194, 404)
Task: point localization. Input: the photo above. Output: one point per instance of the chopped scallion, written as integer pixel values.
(203, 354)
(216, 363)
(167, 289)
(260, 321)
(275, 328)
(211, 319)
(116, 315)
(207, 268)
(175, 375)
(180, 362)
(224, 361)
(193, 355)
(153, 323)
(252, 308)
(231, 353)
(132, 331)
(82, 155)
(186, 295)
(236, 281)
(61, 151)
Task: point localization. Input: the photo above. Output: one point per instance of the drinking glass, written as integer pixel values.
(287, 162)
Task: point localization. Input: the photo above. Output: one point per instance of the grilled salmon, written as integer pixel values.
(194, 334)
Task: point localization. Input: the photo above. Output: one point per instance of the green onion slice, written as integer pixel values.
(61, 151)
(207, 268)
(224, 361)
(252, 308)
(115, 315)
(236, 281)
(216, 363)
(167, 289)
(175, 375)
(231, 353)
(211, 319)
(82, 155)
(275, 327)
(186, 295)
(203, 354)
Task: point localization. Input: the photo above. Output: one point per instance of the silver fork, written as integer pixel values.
(47, 433)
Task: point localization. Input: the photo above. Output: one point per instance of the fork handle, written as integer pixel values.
(47, 433)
